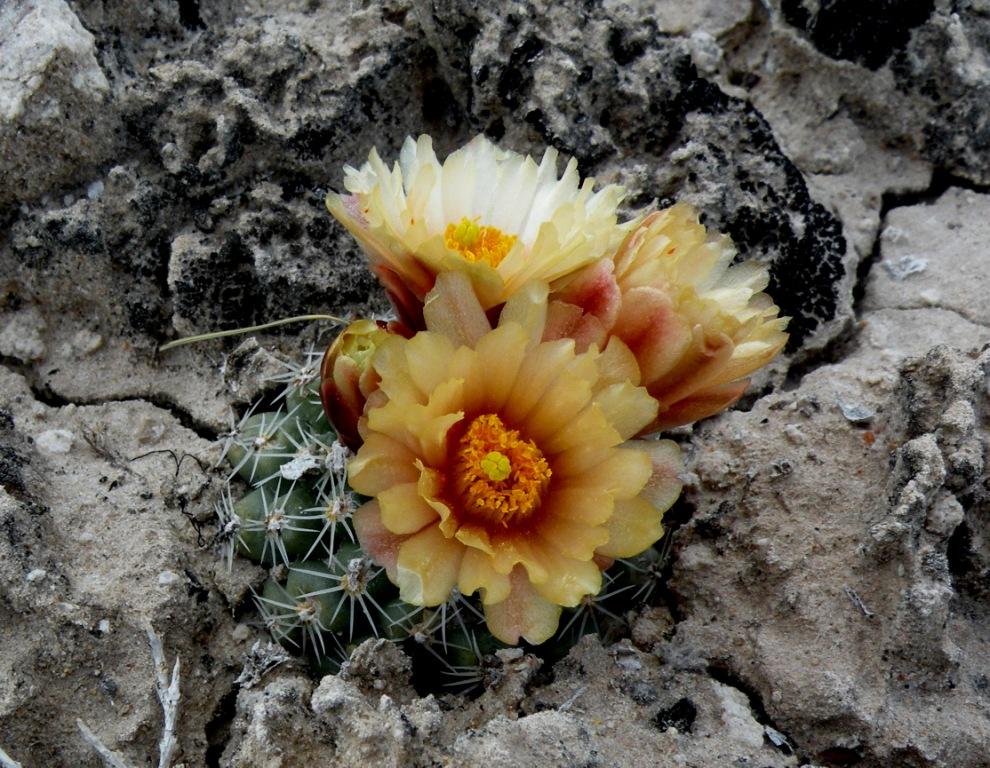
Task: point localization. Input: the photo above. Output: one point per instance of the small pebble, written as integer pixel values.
(168, 577)
(905, 266)
(855, 411)
(86, 342)
(37, 574)
(55, 440)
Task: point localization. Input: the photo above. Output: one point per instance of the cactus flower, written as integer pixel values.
(495, 215)
(697, 324)
(502, 464)
(346, 377)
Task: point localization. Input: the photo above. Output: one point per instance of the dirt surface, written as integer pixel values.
(162, 172)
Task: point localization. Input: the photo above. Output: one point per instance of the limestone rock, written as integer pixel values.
(54, 121)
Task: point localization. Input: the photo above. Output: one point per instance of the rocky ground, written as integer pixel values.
(162, 171)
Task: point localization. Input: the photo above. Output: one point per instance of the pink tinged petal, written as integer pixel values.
(700, 405)
(634, 526)
(604, 563)
(403, 510)
(477, 574)
(650, 326)
(702, 363)
(562, 319)
(589, 332)
(375, 539)
(664, 485)
(486, 283)
(346, 207)
(380, 463)
(524, 614)
(595, 291)
(528, 308)
(617, 364)
(452, 309)
(427, 567)
(627, 408)
(406, 292)
(343, 401)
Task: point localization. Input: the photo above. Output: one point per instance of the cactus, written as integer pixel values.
(287, 506)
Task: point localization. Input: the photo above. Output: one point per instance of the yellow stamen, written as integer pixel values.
(499, 475)
(476, 243)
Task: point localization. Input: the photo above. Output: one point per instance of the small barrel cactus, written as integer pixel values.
(287, 506)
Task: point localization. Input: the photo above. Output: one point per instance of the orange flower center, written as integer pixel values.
(476, 243)
(499, 475)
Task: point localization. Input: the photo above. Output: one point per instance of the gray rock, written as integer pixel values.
(55, 123)
(949, 234)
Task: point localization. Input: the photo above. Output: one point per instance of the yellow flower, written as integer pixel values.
(696, 323)
(493, 214)
(499, 463)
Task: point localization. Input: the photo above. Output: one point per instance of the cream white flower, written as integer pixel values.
(496, 215)
(696, 323)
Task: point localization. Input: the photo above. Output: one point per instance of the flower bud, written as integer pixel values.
(347, 378)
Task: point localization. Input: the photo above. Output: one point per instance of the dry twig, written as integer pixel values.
(168, 696)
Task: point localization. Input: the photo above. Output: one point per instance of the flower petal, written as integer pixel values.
(428, 358)
(579, 505)
(569, 580)
(452, 309)
(572, 539)
(376, 540)
(528, 308)
(700, 405)
(427, 567)
(627, 408)
(617, 364)
(595, 291)
(501, 352)
(664, 485)
(651, 327)
(524, 614)
(477, 574)
(634, 526)
(379, 464)
(403, 510)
